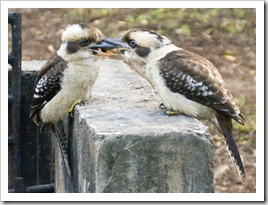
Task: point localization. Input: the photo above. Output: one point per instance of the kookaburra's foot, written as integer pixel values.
(71, 109)
(168, 112)
(171, 113)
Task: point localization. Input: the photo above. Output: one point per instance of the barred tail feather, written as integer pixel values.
(235, 156)
(225, 124)
(63, 144)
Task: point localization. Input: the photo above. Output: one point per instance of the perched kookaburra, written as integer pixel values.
(66, 79)
(186, 82)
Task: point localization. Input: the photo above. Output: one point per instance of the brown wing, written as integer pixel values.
(197, 79)
(47, 83)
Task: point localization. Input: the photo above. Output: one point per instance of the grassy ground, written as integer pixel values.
(226, 37)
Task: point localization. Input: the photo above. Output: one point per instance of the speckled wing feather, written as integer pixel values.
(47, 83)
(197, 79)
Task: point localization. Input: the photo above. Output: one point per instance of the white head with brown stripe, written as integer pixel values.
(76, 41)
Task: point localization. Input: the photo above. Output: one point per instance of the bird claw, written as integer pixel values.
(71, 109)
(168, 112)
(171, 113)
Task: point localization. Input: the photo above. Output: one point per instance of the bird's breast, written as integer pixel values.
(80, 77)
(77, 83)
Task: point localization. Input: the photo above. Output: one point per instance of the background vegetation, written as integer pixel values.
(226, 37)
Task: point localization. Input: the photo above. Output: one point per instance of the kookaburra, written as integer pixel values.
(67, 78)
(186, 82)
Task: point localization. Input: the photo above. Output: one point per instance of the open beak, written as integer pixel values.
(109, 46)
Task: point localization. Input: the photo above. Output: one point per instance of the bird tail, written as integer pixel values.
(226, 126)
(63, 144)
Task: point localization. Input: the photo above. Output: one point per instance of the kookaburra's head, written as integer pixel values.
(144, 41)
(140, 45)
(77, 42)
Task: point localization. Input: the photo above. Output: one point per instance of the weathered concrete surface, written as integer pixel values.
(120, 141)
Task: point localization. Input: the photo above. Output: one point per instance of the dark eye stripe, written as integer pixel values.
(72, 47)
(143, 51)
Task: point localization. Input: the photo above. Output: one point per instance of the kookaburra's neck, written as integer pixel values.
(159, 53)
(143, 66)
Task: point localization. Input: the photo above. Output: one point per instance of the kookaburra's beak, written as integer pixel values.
(109, 46)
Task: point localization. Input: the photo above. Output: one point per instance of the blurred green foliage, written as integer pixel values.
(250, 118)
(231, 21)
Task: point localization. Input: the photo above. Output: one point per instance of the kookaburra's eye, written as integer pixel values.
(85, 42)
(132, 43)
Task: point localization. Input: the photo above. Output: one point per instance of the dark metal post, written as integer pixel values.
(14, 59)
(15, 99)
